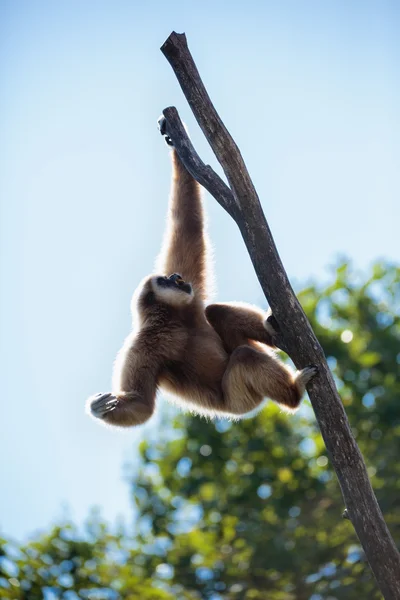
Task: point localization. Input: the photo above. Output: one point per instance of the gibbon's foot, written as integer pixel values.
(308, 373)
(162, 126)
(102, 404)
(301, 378)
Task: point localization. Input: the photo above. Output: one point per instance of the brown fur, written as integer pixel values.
(213, 360)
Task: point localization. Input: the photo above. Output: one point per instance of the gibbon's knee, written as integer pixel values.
(126, 409)
(253, 375)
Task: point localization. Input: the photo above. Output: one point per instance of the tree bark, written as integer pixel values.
(297, 336)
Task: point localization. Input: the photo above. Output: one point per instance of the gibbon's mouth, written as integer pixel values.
(176, 282)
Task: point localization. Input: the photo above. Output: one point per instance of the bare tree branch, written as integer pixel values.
(298, 337)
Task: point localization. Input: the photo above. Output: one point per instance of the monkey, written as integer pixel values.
(217, 360)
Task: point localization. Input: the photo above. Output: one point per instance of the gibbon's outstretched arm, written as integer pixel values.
(184, 248)
(132, 401)
(237, 323)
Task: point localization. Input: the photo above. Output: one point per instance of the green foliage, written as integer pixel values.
(248, 510)
(68, 564)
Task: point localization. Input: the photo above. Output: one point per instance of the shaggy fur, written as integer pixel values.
(215, 360)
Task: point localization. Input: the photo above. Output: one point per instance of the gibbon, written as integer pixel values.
(217, 359)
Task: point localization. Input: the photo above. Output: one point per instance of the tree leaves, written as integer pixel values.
(247, 510)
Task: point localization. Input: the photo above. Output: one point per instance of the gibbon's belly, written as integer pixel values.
(198, 375)
(182, 381)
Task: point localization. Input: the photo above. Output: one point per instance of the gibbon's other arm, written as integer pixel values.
(237, 323)
(132, 401)
(184, 248)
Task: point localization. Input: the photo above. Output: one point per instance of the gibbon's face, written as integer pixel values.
(172, 290)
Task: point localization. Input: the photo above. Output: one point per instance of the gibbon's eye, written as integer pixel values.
(162, 281)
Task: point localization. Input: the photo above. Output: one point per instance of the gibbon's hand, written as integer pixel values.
(124, 410)
(162, 126)
(102, 404)
(271, 324)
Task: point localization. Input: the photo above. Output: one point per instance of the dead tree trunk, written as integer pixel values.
(297, 337)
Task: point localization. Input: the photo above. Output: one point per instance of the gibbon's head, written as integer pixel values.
(172, 290)
(157, 290)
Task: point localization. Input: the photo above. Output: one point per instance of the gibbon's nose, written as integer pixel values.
(176, 278)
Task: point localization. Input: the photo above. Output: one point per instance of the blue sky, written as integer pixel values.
(311, 93)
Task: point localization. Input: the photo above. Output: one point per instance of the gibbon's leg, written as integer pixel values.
(236, 324)
(252, 375)
(184, 247)
(134, 389)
